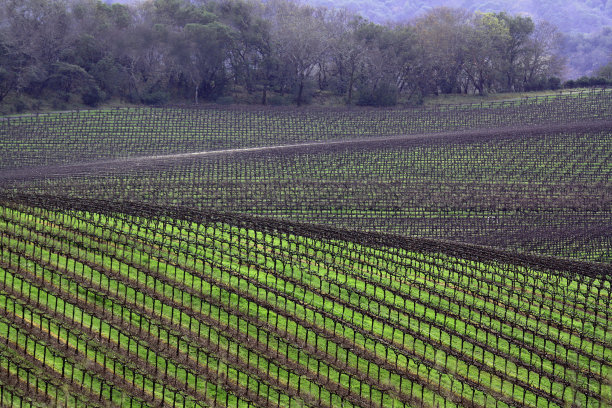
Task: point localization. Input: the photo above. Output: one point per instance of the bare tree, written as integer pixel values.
(541, 58)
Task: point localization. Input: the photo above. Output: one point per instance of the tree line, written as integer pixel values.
(270, 53)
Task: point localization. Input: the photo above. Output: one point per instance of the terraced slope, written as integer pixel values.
(104, 303)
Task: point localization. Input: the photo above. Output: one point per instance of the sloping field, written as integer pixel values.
(544, 189)
(438, 257)
(66, 138)
(103, 304)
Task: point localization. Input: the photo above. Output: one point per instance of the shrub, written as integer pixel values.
(278, 100)
(597, 81)
(154, 97)
(554, 83)
(225, 100)
(59, 104)
(19, 105)
(382, 95)
(93, 96)
(308, 92)
(583, 81)
(569, 84)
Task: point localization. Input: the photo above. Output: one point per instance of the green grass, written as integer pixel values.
(262, 315)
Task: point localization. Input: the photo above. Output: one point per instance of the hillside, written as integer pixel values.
(571, 16)
(128, 305)
(586, 25)
(451, 256)
(527, 174)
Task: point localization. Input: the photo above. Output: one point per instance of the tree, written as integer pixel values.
(250, 52)
(350, 49)
(37, 33)
(541, 59)
(345, 52)
(605, 71)
(200, 53)
(387, 67)
(299, 37)
(151, 51)
(11, 66)
(514, 48)
(441, 36)
(485, 37)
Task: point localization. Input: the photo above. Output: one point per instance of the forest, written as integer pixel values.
(277, 52)
(586, 25)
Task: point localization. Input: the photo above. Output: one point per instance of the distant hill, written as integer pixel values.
(582, 16)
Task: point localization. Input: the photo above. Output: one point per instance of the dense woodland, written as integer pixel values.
(277, 52)
(586, 24)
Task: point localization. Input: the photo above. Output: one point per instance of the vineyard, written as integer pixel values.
(450, 256)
